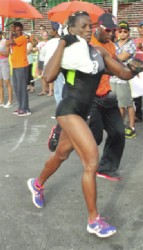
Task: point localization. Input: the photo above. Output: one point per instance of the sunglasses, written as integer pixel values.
(107, 30)
(123, 31)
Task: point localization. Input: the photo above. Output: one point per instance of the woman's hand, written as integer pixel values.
(69, 39)
(136, 65)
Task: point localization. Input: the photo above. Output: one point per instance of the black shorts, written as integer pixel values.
(71, 106)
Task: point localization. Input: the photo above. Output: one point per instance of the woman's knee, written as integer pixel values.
(7, 83)
(91, 163)
(63, 153)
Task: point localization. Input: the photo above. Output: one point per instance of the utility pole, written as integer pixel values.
(32, 21)
(115, 7)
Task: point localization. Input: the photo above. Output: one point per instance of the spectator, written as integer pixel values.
(48, 50)
(125, 50)
(19, 61)
(39, 37)
(40, 45)
(5, 72)
(139, 47)
(105, 107)
(30, 84)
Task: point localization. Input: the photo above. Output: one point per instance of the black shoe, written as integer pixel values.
(53, 139)
(112, 176)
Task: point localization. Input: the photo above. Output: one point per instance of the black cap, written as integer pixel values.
(108, 21)
(123, 25)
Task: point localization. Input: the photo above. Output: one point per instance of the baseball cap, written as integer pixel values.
(57, 26)
(123, 25)
(108, 21)
(140, 23)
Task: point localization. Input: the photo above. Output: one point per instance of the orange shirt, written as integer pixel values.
(104, 85)
(19, 52)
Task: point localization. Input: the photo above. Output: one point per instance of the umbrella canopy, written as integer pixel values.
(18, 9)
(62, 11)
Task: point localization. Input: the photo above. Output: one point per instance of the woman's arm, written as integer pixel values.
(115, 67)
(30, 48)
(52, 68)
(7, 50)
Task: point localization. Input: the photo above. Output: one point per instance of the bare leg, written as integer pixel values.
(10, 90)
(131, 116)
(43, 83)
(50, 89)
(43, 86)
(83, 142)
(53, 163)
(1, 92)
(122, 111)
(77, 135)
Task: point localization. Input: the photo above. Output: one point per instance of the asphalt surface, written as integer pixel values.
(61, 224)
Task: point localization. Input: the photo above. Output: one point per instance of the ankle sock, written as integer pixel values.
(91, 221)
(37, 183)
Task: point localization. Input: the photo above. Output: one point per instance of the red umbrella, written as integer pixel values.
(18, 9)
(62, 11)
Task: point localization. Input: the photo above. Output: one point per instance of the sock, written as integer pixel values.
(91, 221)
(37, 183)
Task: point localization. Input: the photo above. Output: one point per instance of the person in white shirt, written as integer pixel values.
(5, 72)
(30, 84)
(47, 51)
(39, 47)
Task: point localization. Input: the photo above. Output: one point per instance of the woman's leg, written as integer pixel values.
(77, 135)
(83, 142)
(62, 152)
(10, 90)
(50, 89)
(1, 92)
(43, 83)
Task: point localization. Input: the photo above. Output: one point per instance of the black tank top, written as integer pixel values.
(82, 86)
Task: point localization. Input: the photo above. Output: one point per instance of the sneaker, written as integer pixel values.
(54, 138)
(1, 104)
(24, 113)
(8, 105)
(37, 193)
(130, 133)
(15, 112)
(101, 228)
(112, 176)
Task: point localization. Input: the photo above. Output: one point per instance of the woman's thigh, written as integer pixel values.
(80, 137)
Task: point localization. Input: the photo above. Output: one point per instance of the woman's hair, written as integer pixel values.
(73, 18)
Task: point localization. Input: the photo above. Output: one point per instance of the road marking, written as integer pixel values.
(22, 136)
(35, 133)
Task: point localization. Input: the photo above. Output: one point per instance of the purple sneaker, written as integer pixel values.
(37, 193)
(101, 228)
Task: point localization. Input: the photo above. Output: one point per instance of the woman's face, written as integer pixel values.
(83, 27)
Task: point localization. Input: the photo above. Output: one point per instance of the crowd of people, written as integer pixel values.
(92, 93)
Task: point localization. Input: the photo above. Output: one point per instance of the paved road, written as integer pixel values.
(61, 224)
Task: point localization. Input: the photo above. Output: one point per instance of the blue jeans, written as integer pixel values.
(58, 87)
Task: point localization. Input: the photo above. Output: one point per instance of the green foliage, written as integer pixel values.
(39, 4)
